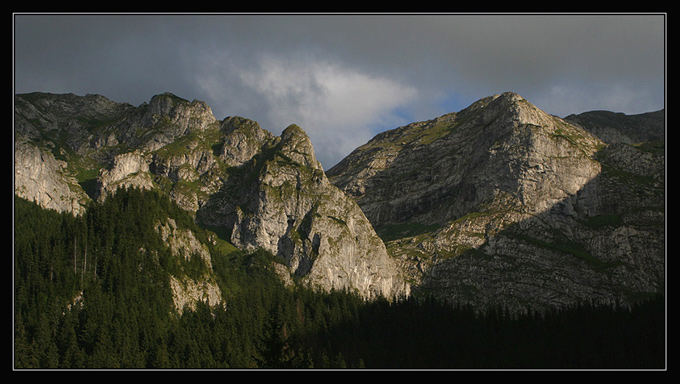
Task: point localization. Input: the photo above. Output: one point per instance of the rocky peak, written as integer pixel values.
(438, 170)
(296, 144)
(243, 139)
(66, 106)
(67, 118)
(508, 107)
(179, 113)
(488, 204)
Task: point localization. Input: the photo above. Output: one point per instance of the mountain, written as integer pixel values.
(612, 127)
(158, 236)
(256, 190)
(280, 200)
(503, 204)
(499, 204)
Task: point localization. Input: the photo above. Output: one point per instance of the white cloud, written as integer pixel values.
(338, 107)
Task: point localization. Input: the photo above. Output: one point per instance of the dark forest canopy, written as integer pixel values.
(93, 292)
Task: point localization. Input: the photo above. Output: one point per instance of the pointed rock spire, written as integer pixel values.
(297, 145)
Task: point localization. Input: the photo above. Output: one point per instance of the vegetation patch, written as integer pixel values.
(337, 220)
(397, 231)
(87, 179)
(603, 221)
(564, 245)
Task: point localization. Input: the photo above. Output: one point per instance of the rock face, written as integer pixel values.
(280, 200)
(40, 177)
(187, 291)
(269, 192)
(49, 131)
(503, 204)
(130, 169)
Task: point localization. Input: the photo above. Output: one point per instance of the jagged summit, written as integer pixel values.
(266, 192)
(297, 144)
(497, 204)
(167, 104)
(509, 107)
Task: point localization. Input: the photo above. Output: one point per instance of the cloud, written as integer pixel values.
(563, 99)
(338, 107)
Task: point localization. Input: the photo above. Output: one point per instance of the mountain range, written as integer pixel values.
(497, 204)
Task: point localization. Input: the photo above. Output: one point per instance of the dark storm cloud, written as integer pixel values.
(344, 77)
(129, 58)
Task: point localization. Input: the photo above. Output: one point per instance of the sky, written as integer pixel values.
(344, 78)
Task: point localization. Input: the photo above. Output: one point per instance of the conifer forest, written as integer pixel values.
(92, 292)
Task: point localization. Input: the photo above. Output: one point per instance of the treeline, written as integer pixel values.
(93, 292)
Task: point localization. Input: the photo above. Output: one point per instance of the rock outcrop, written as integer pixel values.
(187, 291)
(130, 169)
(40, 177)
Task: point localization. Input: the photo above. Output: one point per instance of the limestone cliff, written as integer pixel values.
(503, 204)
(281, 201)
(50, 134)
(269, 192)
(187, 291)
(40, 177)
(436, 171)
